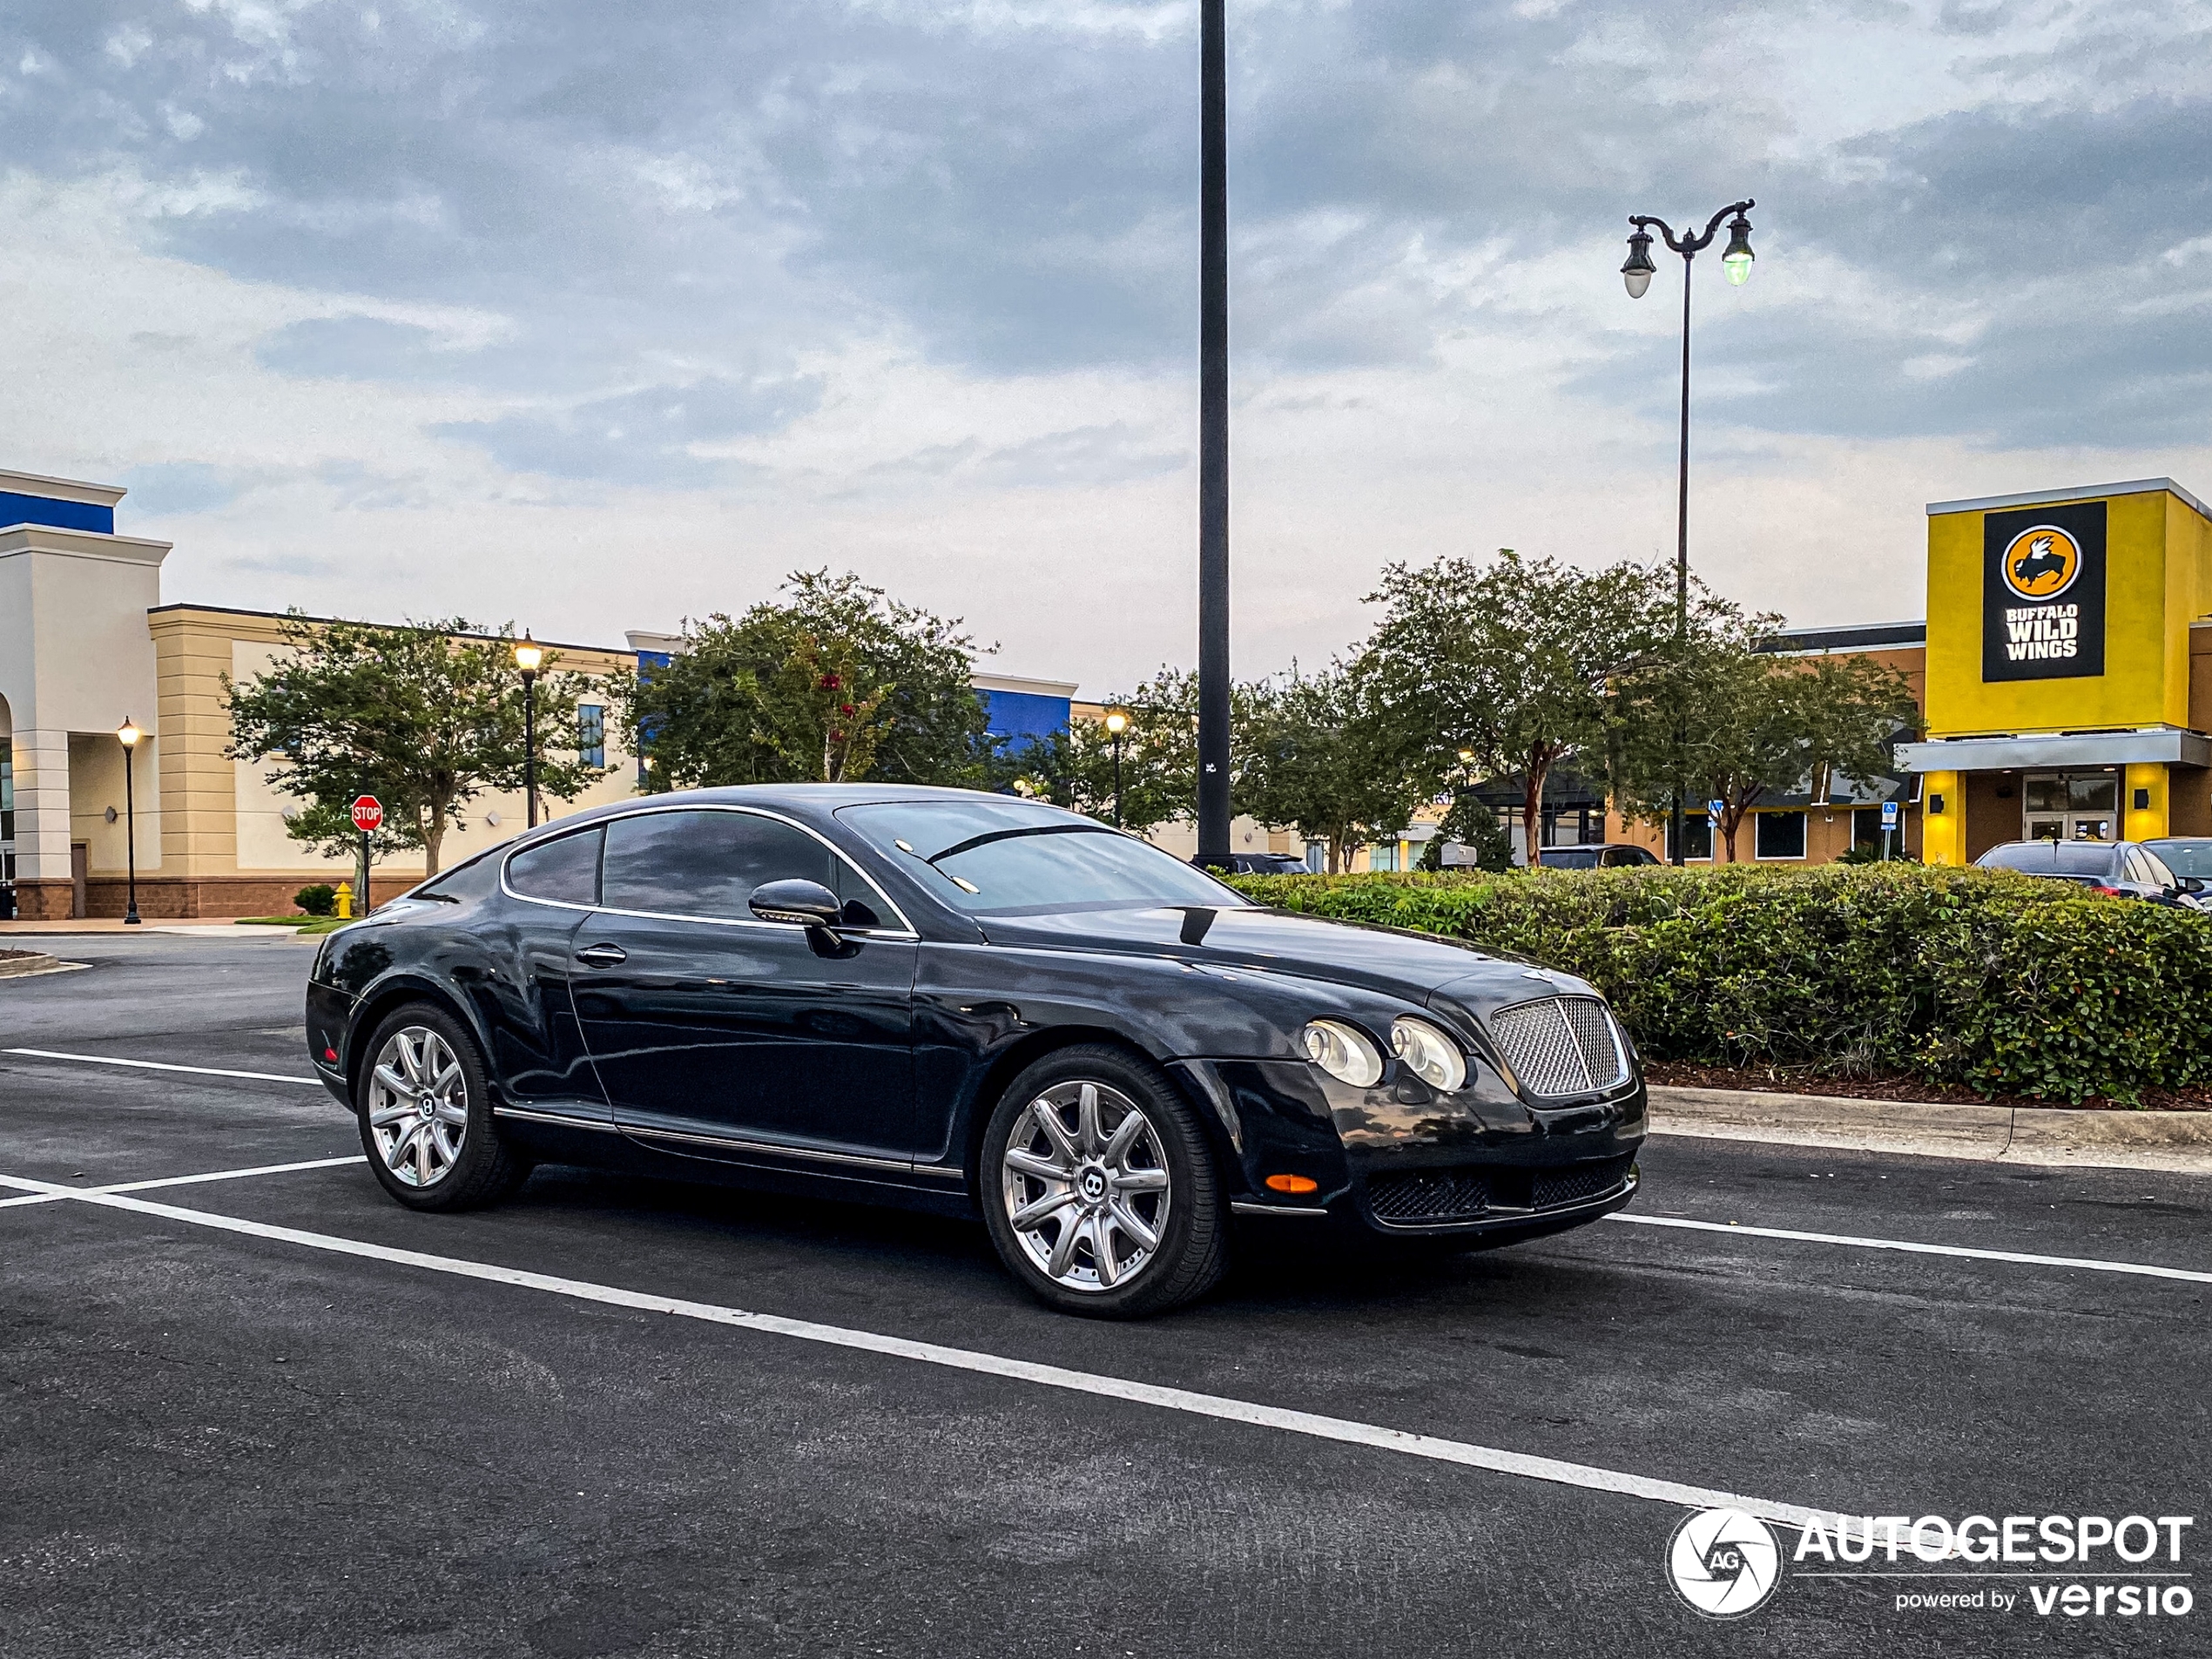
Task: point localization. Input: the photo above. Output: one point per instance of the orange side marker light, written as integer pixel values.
(1293, 1184)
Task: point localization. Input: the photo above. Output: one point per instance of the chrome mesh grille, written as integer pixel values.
(1428, 1195)
(1561, 1045)
(1579, 1181)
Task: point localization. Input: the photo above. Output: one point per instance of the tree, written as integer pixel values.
(1470, 823)
(836, 682)
(424, 716)
(1159, 763)
(1753, 724)
(1318, 756)
(1508, 662)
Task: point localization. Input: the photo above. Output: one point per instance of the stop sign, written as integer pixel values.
(368, 812)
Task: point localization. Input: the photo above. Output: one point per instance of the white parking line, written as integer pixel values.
(1344, 1430)
(158, 1065)
(61, 1193)
(2091, 1263)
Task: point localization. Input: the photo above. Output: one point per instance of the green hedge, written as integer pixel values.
(1996, 981)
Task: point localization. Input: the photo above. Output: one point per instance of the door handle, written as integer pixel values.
(602, 955)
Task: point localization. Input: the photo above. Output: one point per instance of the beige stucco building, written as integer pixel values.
(86, 644)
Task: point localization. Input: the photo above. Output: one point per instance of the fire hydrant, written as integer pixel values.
(345, 897)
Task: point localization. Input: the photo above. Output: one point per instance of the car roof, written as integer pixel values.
(814, 803)
(2044, 856)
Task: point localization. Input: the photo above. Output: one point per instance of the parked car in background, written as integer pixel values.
(972, 1005)
(2188, 856)
(1597, 855)
(1260, 864)
(2117, 869)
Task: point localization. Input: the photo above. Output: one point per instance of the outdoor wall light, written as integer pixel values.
(1637, 272)
(1737, 261)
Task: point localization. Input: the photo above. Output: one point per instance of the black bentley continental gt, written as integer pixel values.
(966, 1003)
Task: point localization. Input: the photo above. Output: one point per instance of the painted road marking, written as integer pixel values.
(1343, 1430)
(158, 1065)
(2140, 1268)
(182, 1180)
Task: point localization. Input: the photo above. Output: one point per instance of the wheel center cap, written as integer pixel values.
(427, 1109)
(1092, 1184)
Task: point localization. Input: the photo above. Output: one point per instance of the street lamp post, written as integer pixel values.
(1735, 259)
(1117, 723)
(128, 734)
(528, 655)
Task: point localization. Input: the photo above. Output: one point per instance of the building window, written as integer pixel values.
(591, 734)
(1383, 856)
(1779, 835)
(1696, 836)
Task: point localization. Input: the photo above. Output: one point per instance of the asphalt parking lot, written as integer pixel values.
(274, 1413)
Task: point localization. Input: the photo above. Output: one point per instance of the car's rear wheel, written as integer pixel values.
(425, 1113)
(1099, 1189)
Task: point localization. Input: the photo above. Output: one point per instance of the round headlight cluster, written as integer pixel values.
(1342, 1051)
(1428, 1054)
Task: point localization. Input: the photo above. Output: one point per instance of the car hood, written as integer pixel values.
(1390, 960)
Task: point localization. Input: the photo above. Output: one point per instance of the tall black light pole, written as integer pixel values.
(1117, 723)
(1637, 274)
(528, 655)
(128, 734)
(1213, 435)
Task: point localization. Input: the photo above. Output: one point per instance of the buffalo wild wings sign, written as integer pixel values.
(2043, 593)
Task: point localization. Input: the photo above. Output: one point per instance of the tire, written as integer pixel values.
(1068, 1212)
(445, 1154)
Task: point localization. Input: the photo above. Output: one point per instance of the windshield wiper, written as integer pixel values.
(975, 841)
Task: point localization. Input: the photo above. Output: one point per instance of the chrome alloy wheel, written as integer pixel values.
(1086, 1186)
(418, 1106)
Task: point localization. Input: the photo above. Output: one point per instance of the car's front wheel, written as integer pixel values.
(1098, 1187)
(426, 1118)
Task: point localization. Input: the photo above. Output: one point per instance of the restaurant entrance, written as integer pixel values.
(2070, 805)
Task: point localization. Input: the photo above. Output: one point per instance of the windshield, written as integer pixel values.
(2052, 858)
(2191, 857)
(995, 856)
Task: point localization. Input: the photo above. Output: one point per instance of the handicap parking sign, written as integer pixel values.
(1889, 815)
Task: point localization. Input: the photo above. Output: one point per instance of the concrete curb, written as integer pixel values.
(14, 964)
(2053, 1136)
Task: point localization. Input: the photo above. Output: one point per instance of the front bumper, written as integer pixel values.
(1400, 1160)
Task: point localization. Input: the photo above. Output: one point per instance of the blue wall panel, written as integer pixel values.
(1024, 716)
(61, 514)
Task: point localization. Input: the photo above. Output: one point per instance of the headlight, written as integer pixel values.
(1428, 1054)
(1343, 1052)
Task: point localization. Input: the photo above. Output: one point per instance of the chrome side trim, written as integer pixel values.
(736, 1143)
(1238, 1206)
(561, 1119)
(905, 930)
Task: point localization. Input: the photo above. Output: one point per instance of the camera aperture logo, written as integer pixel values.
(1724, 1562)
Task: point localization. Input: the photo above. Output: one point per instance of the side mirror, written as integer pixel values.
(797, 903)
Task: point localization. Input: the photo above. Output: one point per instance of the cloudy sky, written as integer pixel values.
(595, 317)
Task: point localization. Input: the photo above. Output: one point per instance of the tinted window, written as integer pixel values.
(708, 864)
(2083, 858)
(2183, 858)
(476, 878)
(2034, 857)
(995, 856)
(1570, 858)
(565, 870)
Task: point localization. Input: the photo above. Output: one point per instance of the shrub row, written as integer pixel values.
(1996, 981)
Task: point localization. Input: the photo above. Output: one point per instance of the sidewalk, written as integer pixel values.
(207, 929)
(2053, 1136)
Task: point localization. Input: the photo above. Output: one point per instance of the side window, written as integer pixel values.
(2161, 873)
(2137, 868)
(705, 864)
(565, 871)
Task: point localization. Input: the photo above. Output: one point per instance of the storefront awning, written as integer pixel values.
(2153, 745)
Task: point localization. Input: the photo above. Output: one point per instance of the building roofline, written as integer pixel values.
(75, 489)
(1019, 685)
(288, 615)
(18, 539)
(1869, 635)
(2051, 497)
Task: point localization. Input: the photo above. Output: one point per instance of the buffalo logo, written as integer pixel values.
(2041, 562)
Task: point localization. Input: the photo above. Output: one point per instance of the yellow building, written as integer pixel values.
(2069, 670)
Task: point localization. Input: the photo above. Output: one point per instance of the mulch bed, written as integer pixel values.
(1780, 1081)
